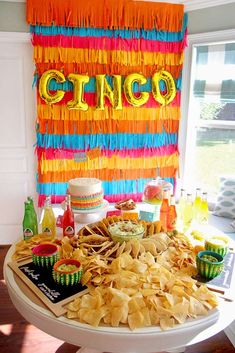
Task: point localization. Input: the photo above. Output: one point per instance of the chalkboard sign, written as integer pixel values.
(41, 282)
(224, 280)
(44, 281)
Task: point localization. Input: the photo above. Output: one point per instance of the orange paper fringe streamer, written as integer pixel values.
(60, 127)
(61, 112)
(106, 14)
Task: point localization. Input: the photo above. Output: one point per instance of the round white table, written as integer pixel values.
(109, 339)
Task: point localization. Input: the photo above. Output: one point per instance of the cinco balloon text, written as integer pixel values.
(103, 89)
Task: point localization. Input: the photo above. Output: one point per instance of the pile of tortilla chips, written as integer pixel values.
(24, 248)
(137, 283)
(139, 293)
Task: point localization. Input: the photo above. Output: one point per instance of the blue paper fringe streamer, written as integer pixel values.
(109, 187)
(117, 33)
(117, 141)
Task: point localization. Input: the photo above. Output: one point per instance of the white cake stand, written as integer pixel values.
(90, 216)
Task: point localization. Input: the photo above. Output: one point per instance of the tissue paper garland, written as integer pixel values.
(123, 38)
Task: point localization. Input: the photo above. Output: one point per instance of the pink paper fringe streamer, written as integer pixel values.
(51, 153)
(106, 43)
(110, 198)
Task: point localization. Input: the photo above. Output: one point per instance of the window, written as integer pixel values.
(207, 136)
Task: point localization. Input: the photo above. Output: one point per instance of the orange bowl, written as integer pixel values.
(67, 272)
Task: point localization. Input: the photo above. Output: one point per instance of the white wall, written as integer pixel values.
(17, 133)
(13, 15)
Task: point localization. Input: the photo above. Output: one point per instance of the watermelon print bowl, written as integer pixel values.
(67, 272)
(45, 255)
(218, 243)
(209, 264)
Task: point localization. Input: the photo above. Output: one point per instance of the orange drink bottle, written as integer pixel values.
(172, 214)
(48, 221)
(68, 219)
(164, 211)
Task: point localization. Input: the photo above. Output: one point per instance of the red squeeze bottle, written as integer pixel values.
(68, 219)
(164, 211)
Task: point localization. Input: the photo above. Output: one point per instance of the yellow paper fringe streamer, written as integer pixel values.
(77, 55)
(61, 112)
(114, 162)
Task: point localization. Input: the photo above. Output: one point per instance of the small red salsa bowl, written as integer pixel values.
(45, 254)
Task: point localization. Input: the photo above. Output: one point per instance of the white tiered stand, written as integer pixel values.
(90, 216)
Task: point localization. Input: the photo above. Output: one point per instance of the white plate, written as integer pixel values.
(96, 210)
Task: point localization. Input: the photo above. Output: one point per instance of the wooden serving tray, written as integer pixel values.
(40, 282)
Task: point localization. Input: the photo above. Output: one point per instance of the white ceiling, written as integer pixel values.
(201, 4)
(196, 4)
(189, 4)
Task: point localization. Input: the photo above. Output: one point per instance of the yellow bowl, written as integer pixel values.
(126, 230)
(218, 244)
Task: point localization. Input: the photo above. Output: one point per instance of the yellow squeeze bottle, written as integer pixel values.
(48, 221)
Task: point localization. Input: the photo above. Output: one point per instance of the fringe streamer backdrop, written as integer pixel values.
(122, 148)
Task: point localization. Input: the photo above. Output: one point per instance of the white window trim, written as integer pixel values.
(186, 131)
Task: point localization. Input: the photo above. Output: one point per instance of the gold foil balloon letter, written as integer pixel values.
(78, 83)
(128, 90)
(163, 99)
(44, 82)
(103, 89)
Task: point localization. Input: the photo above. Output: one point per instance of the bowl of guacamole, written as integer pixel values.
(67, 272)
(209, 264)
(126, 230)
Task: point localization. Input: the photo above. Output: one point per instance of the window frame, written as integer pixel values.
(187, 133)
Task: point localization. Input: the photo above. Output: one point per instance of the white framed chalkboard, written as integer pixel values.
(42, 284)
(224, 283)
